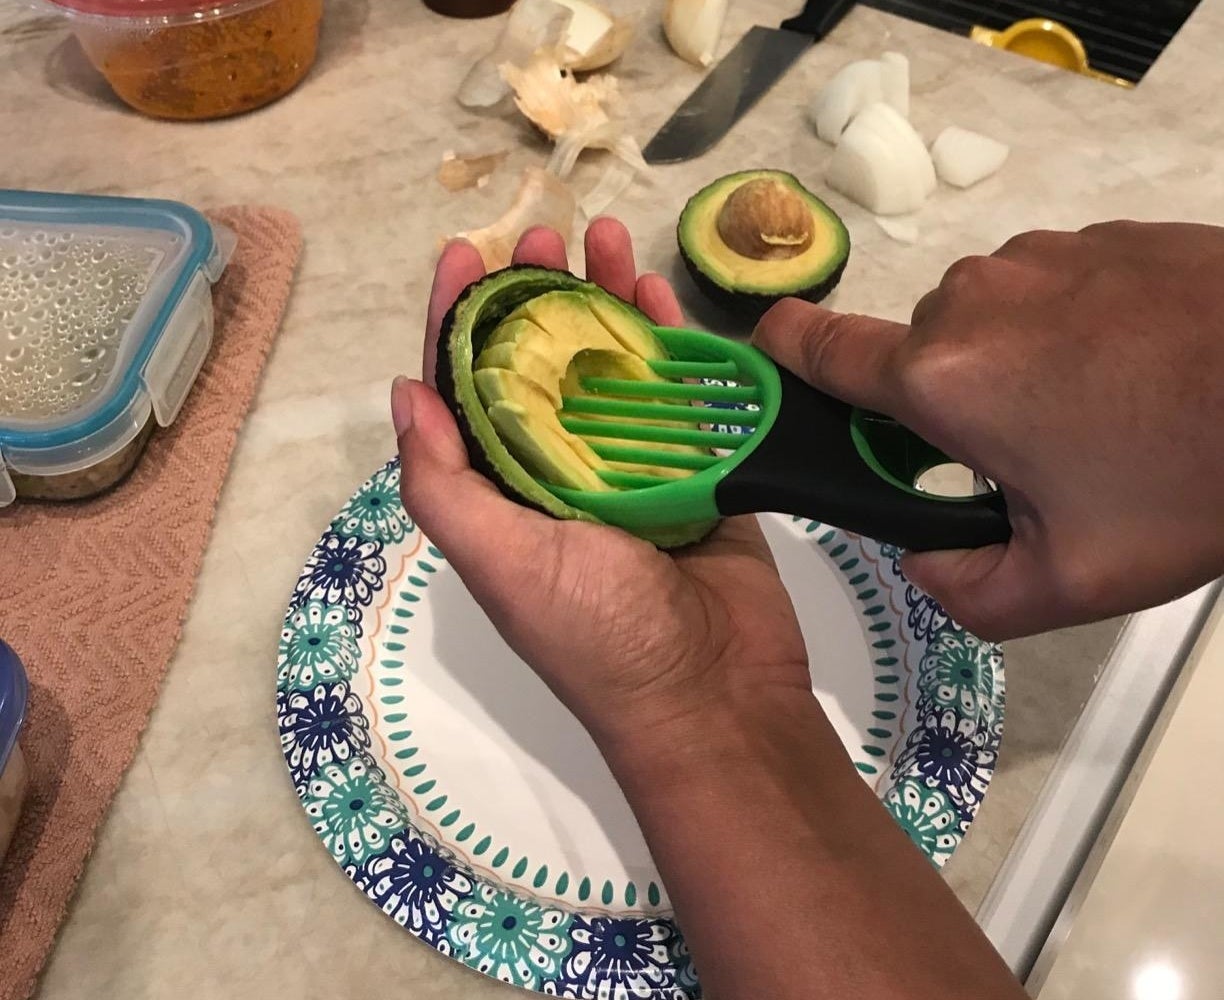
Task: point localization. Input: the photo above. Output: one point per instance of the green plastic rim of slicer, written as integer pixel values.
(692, 498)
(889, 450)
(898, 456)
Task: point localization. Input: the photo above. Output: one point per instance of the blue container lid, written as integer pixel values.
(13, 693)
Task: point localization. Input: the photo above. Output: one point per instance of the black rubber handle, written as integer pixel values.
(818, 17)
(808, 465)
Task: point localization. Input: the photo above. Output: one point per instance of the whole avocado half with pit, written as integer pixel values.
(751, 238)
(505, 352)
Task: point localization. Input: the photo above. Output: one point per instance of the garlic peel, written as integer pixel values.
(533, 25)
(541, 200)
(457, 173)
(575, 114)
(614, 182)
(553, 100)
(694, 27)
(594, 37)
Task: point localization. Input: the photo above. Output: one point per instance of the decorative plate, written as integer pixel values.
(470, 806)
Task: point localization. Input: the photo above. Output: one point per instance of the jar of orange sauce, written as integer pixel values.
(197, 59)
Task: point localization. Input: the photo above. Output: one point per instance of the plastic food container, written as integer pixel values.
(196, 59)
(105, 319)
(469, 8)
(13, 776)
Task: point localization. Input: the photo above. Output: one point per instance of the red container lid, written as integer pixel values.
(169, 9)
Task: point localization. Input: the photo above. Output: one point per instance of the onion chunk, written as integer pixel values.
(962, 158)
(882, 163)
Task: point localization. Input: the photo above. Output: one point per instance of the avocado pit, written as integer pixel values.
(765, 220)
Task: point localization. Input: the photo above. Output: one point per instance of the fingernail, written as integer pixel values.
(401, 405)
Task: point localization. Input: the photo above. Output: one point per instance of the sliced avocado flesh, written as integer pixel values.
(621, 365)
(543, 351)
(747, 284)
(496, 356)
(511, 331)
(553, 342)
(528, 350)
(495, 371)
(526, 419)
(568, 318)
(541, 336)
(628, 331)
(545, 454)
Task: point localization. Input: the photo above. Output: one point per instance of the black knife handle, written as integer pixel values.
(818, 17)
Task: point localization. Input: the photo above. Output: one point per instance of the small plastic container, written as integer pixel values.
(469, 8)
(13, 776)
(105, 319)
(197, 59)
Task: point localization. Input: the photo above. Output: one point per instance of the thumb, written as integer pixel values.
(845, 355)
(997, 592)
(457, 508)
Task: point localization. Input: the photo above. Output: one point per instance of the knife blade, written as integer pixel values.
(755, 64)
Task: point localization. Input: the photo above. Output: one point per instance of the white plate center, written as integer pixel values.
(520, 769)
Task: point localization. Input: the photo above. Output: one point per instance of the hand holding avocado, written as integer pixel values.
(655, 637)
(1083, 373)
(522, 358)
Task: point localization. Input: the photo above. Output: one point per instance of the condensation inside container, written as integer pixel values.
(67, 294)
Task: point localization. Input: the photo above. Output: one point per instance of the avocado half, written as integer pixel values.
(757, 236)
(508, 347)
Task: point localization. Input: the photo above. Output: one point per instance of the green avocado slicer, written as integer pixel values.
(801, 452)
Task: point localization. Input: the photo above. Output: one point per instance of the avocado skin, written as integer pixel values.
(523, 282)
(752, 305)
(444, 375)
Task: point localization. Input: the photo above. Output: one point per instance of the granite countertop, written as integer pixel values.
(207, 879)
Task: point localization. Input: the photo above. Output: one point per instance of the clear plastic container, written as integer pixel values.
(196, 59)
(105, 319)
(13, 776)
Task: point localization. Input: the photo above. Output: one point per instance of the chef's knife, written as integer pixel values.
(733, 86)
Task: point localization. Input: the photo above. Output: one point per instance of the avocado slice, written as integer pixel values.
(751, 238)
(567, 317)
(622, 365)
(521, 346)
(509, 347)
(555, 341)
(526, 419)
(628, 330)
(539, 338)
(562, 337)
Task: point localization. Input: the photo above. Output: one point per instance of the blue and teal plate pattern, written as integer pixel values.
(921, 716)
